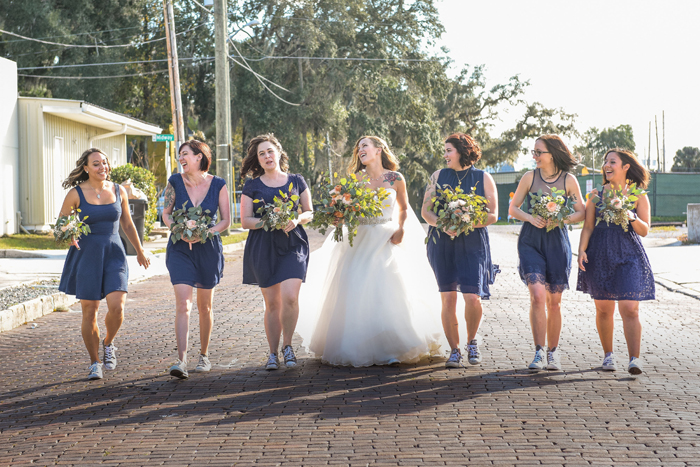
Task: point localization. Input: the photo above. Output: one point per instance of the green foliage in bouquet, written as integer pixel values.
(457, 211)
(69, 227)
(276, 215)
(345, 203)
(190, 224)
(615, 203)
(554, 207)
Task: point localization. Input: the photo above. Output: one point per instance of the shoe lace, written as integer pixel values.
(203, 360)
(94, 367)
(272, 358)
(109, 351)
(473, 351)
(538, 357)
(289, 353)
(550, 357)
(608, 360)
(455, 355)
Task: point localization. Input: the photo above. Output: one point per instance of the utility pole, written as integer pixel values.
(649, 152)
(658, 159)
(223, 102)
(173, 71)
(663, 137)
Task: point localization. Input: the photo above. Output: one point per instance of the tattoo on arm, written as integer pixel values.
(392, 177)
(169, 197)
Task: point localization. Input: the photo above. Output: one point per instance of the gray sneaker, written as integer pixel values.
(204, 364)
(290, 360)
(273, 363)
(110, 359)
(455, 360)
(95, 371)
(554, 360)
(179, 370)
(473, 354)
(540, 361)
(610, 362)
(636, 366)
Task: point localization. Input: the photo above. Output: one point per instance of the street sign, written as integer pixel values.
(163, 137)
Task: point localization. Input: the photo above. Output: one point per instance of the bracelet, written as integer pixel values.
(635, 217)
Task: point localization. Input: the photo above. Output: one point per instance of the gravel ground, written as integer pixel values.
(22, 293)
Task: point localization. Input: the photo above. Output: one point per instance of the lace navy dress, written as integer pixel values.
(99, 267)
(618, 267)
(203, 265)
(463, 264)
(545, 257)
(273, 257)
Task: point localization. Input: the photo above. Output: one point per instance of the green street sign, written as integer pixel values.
(163, 137)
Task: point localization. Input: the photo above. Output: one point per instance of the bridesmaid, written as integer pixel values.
(545, 257)
(613, 264)
(464, 263)
(202, 266)
(275, 260)
(96, 268)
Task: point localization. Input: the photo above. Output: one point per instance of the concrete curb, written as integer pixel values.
(20, 254)
(673, 287)
(234, 247)
(23, 313)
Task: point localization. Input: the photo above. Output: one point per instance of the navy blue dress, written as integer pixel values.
(99, 267)
(273, 257)
(463, 264)
(618, 267)
(545, 257)
(203, 265)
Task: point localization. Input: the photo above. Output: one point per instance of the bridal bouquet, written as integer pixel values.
(615, 204)
(458, 211)
(347, 201)
(276, 215)
(190, 224)
(553, 208)
(69, 227)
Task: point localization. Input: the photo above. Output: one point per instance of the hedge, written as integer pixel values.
(145, 181)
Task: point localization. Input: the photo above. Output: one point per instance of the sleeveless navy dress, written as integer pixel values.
(618, 267)
(273, 257)
(463, 264)
(99, 267)
(545, 257)
(202, 266)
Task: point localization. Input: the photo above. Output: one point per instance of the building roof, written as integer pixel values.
(94, 115)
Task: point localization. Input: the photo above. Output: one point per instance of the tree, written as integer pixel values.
(597, 143)
(686, 160)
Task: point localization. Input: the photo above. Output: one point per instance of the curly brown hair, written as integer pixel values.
(251, 164)
(198, 147)
(562, 157)
(636, 173)
(78, 174)
(467, 147)
(389, 160)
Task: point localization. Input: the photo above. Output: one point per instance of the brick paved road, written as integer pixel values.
(422, 414)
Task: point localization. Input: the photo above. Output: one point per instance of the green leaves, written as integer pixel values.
(616, 203)
(190, 224)
(554, 207)
(457, 211)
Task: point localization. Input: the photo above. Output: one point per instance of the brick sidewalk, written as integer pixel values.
(496, 413)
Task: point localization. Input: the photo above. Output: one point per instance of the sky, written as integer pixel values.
(610, 62)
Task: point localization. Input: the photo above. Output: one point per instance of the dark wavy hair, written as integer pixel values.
(199, 147)
(563, 159)
(251, 164)
(636, 173)
(78, 174)
(467, 147)
(389, 160)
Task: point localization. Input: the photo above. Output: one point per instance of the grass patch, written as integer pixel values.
(669, 219)
(30, 242)
(664, 228)
(225, 240)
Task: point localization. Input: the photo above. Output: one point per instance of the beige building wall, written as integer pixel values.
(9, 148)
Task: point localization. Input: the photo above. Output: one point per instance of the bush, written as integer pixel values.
(145, 181)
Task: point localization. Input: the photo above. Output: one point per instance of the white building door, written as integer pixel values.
(57, 166)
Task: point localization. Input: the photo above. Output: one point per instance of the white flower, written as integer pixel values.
(461, 202)
(466, 218)
(453, 204)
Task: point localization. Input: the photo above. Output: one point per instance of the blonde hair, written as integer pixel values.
(389, 160)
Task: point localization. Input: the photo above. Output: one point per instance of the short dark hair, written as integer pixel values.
(467, 147)
(199, 147)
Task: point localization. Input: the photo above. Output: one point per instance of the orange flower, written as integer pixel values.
(347, 196)
(332, 202)
(338, 214)
(276, 209)
(511, 195)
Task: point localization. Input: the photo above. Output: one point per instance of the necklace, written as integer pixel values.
(381, 177)
(555, 175)
(98, 194)
(465, 174)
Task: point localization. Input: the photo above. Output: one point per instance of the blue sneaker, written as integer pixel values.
(455, 360)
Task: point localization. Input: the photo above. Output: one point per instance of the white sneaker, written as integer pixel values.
(290, 360)
(554, 360)
(636, 366)
(179, 369)
(110, 359)
(455, 360)
(540, 361)
(610, 362)
(473, 354)
(204, 363)
(95, 371)
(273, 363)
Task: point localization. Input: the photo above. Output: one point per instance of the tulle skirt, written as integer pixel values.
(373, 302)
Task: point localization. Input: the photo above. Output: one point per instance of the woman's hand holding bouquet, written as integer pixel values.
(345, 203)
(191, 225)
(70, 228)
(280, 214)
(617, 204)
(553, 208)
(458, 212)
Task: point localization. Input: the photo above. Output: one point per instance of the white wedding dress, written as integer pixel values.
(375, 302)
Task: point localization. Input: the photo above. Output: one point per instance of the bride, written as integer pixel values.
(377, 302)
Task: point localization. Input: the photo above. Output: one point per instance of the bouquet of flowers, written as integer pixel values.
(553, 208)
(189, 224)
(349, 200)
(276, 215)
(615, 204)
(69, 227)
(458, 211)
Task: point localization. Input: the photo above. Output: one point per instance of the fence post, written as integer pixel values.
(693, 213)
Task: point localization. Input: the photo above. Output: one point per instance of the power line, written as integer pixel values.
(94, 77)
(135, 62)
(77, 34)
(350, 59)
